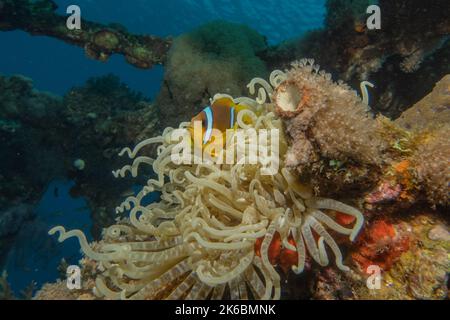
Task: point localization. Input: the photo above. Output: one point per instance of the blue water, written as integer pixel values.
(56, 67)
(35, 256)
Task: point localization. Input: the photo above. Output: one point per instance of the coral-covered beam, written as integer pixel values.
(99, 41)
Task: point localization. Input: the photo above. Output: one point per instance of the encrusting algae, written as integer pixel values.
(335, 140)
(343, 149)
(218, 228)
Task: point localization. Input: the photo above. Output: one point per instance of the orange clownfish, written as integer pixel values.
(220, 115)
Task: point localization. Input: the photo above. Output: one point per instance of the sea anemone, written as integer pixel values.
(210, 234)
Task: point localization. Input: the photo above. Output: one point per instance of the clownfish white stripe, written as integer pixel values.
(209, 121)
(232, 117)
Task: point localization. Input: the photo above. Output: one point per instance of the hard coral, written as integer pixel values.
(432, 161)
(332, 285)
(431, 111)
(421, 271)
(42, 135)
(201, 239)
(334, 117)
(429, 120)
(330, 128)
(340, 147)
(217, 57)
(380, 244)
(397, 188)
(413, 38)
(425, 268)
(59, 291)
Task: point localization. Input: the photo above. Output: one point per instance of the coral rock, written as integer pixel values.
(381, 244)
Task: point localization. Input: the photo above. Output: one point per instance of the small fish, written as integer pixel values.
(221, 115)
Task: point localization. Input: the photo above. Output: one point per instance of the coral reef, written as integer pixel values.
(104, 114)
(56, 291)
(432, 111)
(173, 247)
(59, 290)
(43, 135)
(217, 57)
(333, 137)
(338, 145)
(381, 244)
(23, 113)
(399, 157)
(404, 59)
(413, 266)
(421, 272)
(429, 119)
(331, 285)
(228, 231)
(99, 41)
(418, 271)
(199, 241)
(433, 170)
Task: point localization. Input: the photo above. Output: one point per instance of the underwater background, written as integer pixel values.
(56, 67)
(64, 116)
(30, 56)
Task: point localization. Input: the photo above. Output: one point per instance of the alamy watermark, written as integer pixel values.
(374, 20)
(73, 281)
(73, 22)
(373, 282)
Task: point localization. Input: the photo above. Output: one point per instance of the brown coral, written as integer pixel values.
(340, 147)
(419, 273)
(330, 127)
(429, 119)
(339, 122)
(290, 99)
(432, 110)
(432, 160)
